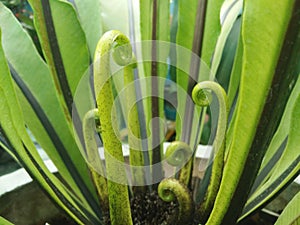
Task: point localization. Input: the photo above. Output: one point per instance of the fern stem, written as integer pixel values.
(119, 205)
(200, 97)
(94, 161)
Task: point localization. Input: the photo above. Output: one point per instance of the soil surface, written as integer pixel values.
(149, 209)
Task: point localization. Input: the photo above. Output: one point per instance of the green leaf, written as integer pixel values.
(146, 19)
(226, 8)
(13, 35)
(64, 45)
(91, 11)
(223, 74)
(278, 143)
(112, 19)
(235, 75)
(259, 64)
(163, 23)
(13, 128)
(211, 30)
(287, 167)
(284, 82)
(291, 214)
(154, 25)
(227, 26)
(233, 88)
(187, 12)
(146, 11)
(3, 221)
(38, 98)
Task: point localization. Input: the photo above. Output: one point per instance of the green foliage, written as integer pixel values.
(290, 215)
(4, 221)
(253, 47)
(119, 205)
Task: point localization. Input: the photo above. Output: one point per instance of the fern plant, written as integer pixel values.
(92, 80)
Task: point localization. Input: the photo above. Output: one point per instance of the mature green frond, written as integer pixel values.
(258, 69)
(291, 214)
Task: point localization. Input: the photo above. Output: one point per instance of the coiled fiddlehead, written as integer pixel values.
(200, 97)
(119, 205)
(172, 189)
(178, 154)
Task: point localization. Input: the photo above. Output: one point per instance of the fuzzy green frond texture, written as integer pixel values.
(153, 112)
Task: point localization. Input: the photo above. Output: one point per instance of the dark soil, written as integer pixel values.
(149, 209)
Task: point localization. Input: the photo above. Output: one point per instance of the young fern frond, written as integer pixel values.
(200, 97)
(178, 154)
(94, 161)
(119, 205)
(134, 134)
(172, 189)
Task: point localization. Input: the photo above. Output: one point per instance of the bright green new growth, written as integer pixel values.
(201, 99)
(179, 153)
(95, 164)
(257, 52)
(119, 205)
(171, 189)
(134, 136)
(3, 221)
